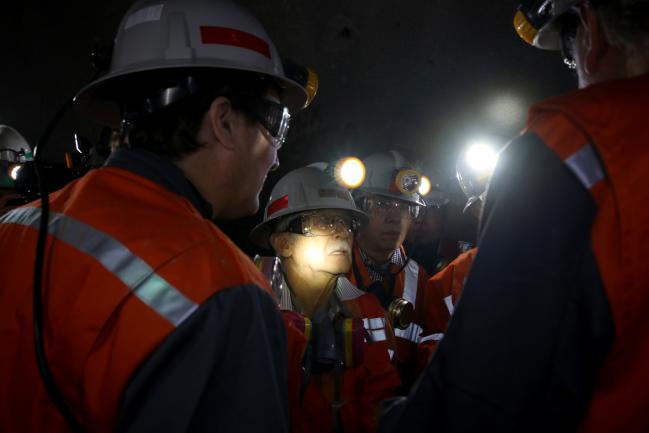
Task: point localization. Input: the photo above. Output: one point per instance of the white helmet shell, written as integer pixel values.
(304, 189)
(389, 174)
(155, 35)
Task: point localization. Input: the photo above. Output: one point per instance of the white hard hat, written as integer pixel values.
(159, 35)
(304, 189)
(389, 174)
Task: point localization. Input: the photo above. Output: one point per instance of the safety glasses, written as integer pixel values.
(272, 116)
(386, 205)
(322, 225)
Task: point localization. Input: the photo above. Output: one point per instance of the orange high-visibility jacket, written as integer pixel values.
(363, 387)
(444, 286)
(602, 134)
(128, 262)
(410, 284)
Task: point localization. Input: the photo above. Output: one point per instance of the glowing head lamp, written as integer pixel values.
(424, 186)
(481, 158)
(350, 172)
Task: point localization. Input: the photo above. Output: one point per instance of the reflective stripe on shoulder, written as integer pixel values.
(411, 281)
(134, 272)
(586, 166)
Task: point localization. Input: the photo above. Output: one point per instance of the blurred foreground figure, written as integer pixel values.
(551, 331)
(153, 320)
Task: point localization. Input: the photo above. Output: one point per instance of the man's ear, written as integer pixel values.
(596, 44)
(282, 243)
(220, 117)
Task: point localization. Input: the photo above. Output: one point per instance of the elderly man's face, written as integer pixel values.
(326, 248)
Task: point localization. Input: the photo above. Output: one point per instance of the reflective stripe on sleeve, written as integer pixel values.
(134, 272)
(586, 166)
(410, 282)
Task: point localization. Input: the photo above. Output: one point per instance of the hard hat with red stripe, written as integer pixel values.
(305, 189)
(197, 34)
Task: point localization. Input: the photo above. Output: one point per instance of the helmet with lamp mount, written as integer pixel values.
(303, 192)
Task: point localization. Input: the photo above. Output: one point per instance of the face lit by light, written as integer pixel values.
(481, 157)
(350, 172)
(326, 253)
(424, 185)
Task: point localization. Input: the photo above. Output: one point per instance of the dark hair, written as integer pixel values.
(170, 129)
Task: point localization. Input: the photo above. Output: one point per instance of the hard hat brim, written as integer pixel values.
(98, 104)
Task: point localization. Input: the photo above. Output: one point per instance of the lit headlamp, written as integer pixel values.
(349, 172)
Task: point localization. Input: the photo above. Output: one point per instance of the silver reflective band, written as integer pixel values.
(586, 166)
(449, 304)
(432, 337)
(376, 327)
(134, 272)
(410, 282)
(410, 333)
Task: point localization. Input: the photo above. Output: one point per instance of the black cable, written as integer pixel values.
(43, 367)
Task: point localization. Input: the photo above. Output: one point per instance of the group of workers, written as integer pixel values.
(150, 319)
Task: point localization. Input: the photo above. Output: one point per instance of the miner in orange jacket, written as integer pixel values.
(153, 319)
(389, 195)
(447, 284)
(551, 330)
(339, 340)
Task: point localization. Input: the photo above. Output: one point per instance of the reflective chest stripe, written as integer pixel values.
(411, 333)
(585, 164)
(410, 283)
(134, 272)
(449, 303)
(375, 327)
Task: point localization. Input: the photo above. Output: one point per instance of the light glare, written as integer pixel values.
(13, 173)
(351, 172)
(424, 185)
(481, 157)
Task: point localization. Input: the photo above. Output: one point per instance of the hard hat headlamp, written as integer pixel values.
(425, 186)
(407, 181)
(350, 172)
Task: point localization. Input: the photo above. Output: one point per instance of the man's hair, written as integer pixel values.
(170, 131)
(626, 23)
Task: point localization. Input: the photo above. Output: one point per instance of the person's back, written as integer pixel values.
(550, 332)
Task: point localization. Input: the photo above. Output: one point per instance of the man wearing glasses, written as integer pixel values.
(153, 319)
(339, 340)
(390, 196)
(551, 331)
